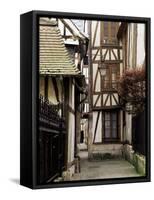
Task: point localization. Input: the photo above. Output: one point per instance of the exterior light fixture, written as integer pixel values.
(102, 69)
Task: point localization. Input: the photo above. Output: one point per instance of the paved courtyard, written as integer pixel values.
(111, 168)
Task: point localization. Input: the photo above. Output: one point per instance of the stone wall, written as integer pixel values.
(105, 151)
(136, 159)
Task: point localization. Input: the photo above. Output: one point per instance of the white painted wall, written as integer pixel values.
(51, 92)
(98, 137)
(128, 131)
(95, 68)
(130, 45)
(71, 131)
(140, 44)
(71, 123)
(97, 39)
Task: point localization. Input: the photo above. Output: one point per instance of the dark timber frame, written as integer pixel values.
(29, 100)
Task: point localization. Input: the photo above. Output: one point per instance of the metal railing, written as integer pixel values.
(51, 141)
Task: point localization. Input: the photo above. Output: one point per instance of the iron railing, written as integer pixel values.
(51, 141)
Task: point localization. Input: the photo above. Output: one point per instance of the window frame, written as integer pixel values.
(111, 138)
(110, 81)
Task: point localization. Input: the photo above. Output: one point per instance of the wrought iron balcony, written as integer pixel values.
(47, 110)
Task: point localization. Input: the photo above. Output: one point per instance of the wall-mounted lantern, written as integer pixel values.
(102, 69)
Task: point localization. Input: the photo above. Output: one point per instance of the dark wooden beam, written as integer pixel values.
(109, 61)
(104, 46)
(94, 38)
(96, 126)
(105, 108)
(46, 87)
(97, 99)
(122, 29)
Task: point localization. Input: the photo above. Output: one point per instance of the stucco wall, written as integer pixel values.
(51, 92)
(71, 124)
(140, 44)
(128, 130)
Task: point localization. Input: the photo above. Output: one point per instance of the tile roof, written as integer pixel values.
(53, 56)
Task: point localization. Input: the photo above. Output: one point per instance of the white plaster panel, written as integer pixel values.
(128, 127)
(140, 44)
(93, 123)
(116, 96)
(95, 68)
(112, 55)
(71, 132)
(59, 85)
(113, 101)
(108, 101)
(97, 40)
(115, 52)
(104, 98)
(107, 56)
(98, 56)
(51, 92)
(99, 100)
(98, 137)
(121, 69)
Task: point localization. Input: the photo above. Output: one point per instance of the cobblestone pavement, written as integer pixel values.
(112, 168)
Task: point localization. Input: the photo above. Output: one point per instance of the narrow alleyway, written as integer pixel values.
(112, 168)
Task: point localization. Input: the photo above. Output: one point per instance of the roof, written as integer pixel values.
(54, 58)
(74, 29)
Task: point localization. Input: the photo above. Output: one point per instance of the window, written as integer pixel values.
(109, 81)
(110, 32)
(110, 125)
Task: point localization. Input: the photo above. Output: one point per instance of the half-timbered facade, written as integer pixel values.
(60, 81)
(105, 56)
